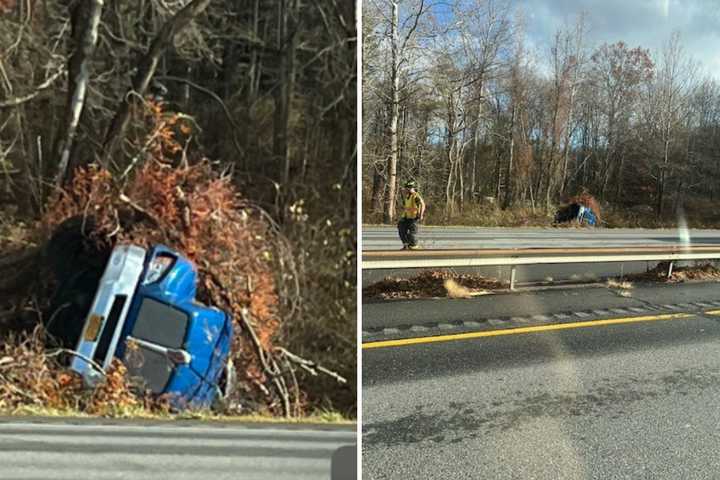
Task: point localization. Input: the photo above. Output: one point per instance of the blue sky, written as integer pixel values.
(645, 23)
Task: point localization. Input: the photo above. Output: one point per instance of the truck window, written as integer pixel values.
(161, 324)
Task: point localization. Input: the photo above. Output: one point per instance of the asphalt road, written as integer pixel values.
(622, 401)
(386, 237)
(96, 449)
(546, 306)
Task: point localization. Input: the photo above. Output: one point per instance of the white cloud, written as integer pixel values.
(645, 23)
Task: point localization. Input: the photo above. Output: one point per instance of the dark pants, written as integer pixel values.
(407, 228)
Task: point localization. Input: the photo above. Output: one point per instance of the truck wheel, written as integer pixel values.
(77, 265)
(69, 251)
(69, 307)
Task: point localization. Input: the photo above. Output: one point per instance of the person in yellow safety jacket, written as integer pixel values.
(413, 211)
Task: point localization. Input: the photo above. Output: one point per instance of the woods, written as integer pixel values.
(497, 129)
(263, 92)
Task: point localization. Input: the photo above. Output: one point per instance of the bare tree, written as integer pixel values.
(86, 20)
(617, 73)
(401, 30)
(668, 102)
(145, 71)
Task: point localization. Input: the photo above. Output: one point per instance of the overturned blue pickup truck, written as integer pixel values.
(142, 310)
(576, 212)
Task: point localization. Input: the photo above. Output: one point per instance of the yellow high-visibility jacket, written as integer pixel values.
(411, 205)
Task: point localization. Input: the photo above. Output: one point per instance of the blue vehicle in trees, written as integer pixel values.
(578, 213)
(144, 312)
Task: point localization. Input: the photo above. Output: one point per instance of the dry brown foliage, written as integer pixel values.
(114, 393)
(7, 6)
(245, 267)
(28, 376)
(698, 273)
(193, 209)
(432, 284)
(32, 376)
(587, 200)
(197, 212)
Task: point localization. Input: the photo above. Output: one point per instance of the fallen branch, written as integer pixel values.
(310, 366)
(125, 199)
(269, 364)
(58, 351)
(14, 102)
(17, 390)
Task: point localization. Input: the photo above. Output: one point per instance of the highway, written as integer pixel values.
(113, 449)
(467, 238)
(583, 383)
(430, 237)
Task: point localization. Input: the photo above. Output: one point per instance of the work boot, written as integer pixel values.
(414, 247)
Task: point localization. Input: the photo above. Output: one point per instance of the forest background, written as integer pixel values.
(498, 130)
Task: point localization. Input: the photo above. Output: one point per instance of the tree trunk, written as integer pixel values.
(378, 190)
(508, 188)
(283, 103)
(448, 187)
(389, 213)
(662, 178)
(85, 25)
(461, 174)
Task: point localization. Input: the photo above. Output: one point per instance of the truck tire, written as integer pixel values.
(77, 264)
(70, 250)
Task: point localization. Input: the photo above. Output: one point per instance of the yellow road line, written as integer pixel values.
(713, 312)
(515, 331)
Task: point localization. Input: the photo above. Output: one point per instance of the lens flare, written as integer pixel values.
(683, 232)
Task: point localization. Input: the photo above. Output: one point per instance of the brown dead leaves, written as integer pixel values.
(199, 213)
(29, 376)
(162, 197)
(433, 284)
(697, 273)
(587, 200)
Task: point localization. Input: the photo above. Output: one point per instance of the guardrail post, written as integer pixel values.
(512, 277)
(670, 269)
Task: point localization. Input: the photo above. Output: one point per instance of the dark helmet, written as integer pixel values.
(411, 184)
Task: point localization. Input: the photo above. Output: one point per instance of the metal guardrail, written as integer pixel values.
(376, 260)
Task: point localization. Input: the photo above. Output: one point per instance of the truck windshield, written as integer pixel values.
(161, 324)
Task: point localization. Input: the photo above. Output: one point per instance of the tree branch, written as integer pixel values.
(215, 97)
(14, 102)
(146, 70)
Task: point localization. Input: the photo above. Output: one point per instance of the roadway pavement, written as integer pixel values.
(100, 449)
(611, 401)
(411, 318)
(431, 237)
